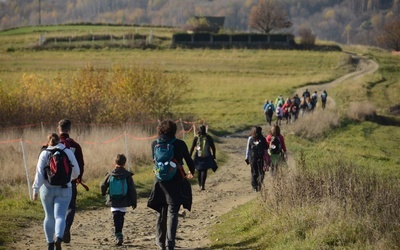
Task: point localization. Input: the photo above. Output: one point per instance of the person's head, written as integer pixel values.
(53, 139)
(256, 132)
(266, 101)
(275, 130)
(120, 160)
(202, 130)
(167, 127)
(64, 126)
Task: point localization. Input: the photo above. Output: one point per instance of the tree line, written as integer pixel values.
(344, 21)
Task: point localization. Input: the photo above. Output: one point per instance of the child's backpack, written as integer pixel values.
(118, 187)
(58, 168)
(275, 146)
(202, 146)
(256, 149)
(165, 167)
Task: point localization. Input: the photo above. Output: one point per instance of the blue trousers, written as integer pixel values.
(55, 201)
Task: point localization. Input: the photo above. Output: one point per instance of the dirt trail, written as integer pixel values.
(228, 188)
(225, 189)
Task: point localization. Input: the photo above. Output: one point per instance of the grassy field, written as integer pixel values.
(228, 90)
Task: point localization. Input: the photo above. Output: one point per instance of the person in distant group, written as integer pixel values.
(256, 151)
(314, 100)
(286, 110)
(55, 198)
(269, 110)
(276, 147)
(279, 114)
(279, 100)
(120, 204)
(166, 197)
(306, 94)
(324, 97)
(205, 155)
(64, 128)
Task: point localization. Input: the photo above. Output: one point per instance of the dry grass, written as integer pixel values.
(361, 111)
(100, 145)
(341, 204)
(313, 125)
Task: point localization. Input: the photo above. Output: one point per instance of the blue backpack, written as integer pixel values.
(165, 167)
(118, 188)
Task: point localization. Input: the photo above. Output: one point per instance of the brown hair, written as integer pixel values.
(167, 127)
(64, 125)
(120, 160)
(53, 139)
(256, 132)
(275, 130)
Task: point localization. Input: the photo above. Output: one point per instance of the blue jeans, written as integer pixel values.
(55, 201)
(167, 224)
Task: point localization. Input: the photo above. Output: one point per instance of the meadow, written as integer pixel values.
(227, 91)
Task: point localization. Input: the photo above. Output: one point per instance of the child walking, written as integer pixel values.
(120, 189)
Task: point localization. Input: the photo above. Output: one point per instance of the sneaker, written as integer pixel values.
(67, 236)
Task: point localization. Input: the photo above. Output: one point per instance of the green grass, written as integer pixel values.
(229, 88)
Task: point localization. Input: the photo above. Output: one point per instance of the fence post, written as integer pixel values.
(26, 170)
(183, 129)
(127, 151)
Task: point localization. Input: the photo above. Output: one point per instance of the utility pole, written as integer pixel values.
(40, 10)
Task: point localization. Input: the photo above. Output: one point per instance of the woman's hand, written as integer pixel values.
(189, 175)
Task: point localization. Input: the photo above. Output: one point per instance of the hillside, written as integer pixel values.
(344, 21)
(227, 189)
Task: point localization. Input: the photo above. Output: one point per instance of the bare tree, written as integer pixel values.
(268, 15)
(390, 35)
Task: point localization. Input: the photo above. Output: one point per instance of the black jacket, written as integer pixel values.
(130, 200)
(178, 190)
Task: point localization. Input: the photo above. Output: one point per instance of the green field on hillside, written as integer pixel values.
(228, 89)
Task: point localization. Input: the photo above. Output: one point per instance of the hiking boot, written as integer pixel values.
(119, 239)
(67, 235)
(57, 244)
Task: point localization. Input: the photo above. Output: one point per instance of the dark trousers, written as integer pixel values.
(257, 174)
(71, 208)
(201, 177)
(167, 224)
(118, 217)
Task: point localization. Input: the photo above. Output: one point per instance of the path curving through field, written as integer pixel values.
(228, 188)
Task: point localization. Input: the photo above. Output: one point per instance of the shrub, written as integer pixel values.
(306, 36)
(361, 111)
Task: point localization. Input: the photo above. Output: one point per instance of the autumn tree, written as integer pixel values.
(390, 35)
(269, 15)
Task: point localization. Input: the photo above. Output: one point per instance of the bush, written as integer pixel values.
(361, 111)
(306, 36)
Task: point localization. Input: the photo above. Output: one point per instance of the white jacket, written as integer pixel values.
(43, 157)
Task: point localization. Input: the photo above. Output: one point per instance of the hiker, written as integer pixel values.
(314, 100)
(276, 147)
(55, 198)
(306, 94)
(279, 114)
(269, 110)
(256, 151)
(64, 128)
(205, 155)
(279, 100)
(324, 97)
(120, 189)
(286, 110)
(166, 197)
(296, 102)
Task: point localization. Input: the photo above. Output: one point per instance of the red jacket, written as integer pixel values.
(269, 138)
(76, 148)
